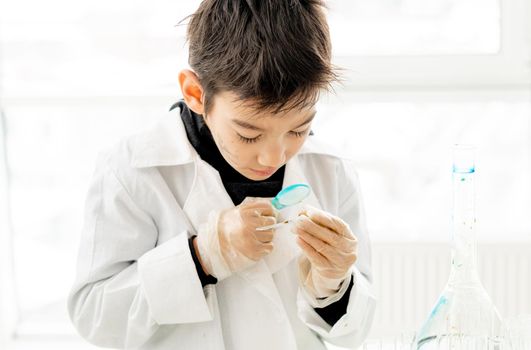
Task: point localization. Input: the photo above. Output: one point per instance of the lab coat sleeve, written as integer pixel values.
(127, 286)
(352, 328)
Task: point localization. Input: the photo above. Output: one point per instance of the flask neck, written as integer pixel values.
(464, 247)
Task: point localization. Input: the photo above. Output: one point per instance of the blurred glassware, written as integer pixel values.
(406, 341)
(464, 316)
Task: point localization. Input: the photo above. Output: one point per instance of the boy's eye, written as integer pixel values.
(247, 139)
(299, 133)
(254, 139)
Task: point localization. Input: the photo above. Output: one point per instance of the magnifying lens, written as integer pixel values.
(289, 196)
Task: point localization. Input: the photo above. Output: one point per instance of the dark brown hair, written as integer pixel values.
(273, 54)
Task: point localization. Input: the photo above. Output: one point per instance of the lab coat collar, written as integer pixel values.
(167, 144)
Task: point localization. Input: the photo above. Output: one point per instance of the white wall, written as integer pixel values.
(7, 297)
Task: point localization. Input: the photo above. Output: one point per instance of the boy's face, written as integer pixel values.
(256, 143)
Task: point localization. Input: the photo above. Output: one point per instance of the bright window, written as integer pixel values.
(415, 27)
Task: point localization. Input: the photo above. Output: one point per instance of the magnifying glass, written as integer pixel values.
(289, 196)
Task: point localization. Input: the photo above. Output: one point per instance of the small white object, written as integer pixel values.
(278, 224)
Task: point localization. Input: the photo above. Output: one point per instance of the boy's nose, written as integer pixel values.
(273, 157)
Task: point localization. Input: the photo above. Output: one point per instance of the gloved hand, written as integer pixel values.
(229, 242)
(329, 251)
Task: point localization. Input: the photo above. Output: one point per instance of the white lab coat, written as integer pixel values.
(137, 285)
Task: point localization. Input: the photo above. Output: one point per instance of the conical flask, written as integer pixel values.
(464, 313)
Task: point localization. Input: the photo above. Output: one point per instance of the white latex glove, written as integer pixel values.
(329, 251)
(229, 242)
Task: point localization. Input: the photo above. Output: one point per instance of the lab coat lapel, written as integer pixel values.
(207, 194)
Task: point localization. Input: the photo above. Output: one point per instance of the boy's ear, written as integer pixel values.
(192, 91)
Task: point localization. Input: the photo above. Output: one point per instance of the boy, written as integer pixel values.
(170, 257)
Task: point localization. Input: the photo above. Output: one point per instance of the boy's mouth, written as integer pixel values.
(265, 172)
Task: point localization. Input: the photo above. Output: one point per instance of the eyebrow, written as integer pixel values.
(249, 126)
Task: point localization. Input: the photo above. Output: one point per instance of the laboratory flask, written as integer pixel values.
(464, 309)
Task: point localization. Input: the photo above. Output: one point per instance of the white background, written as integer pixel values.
(420, 75)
